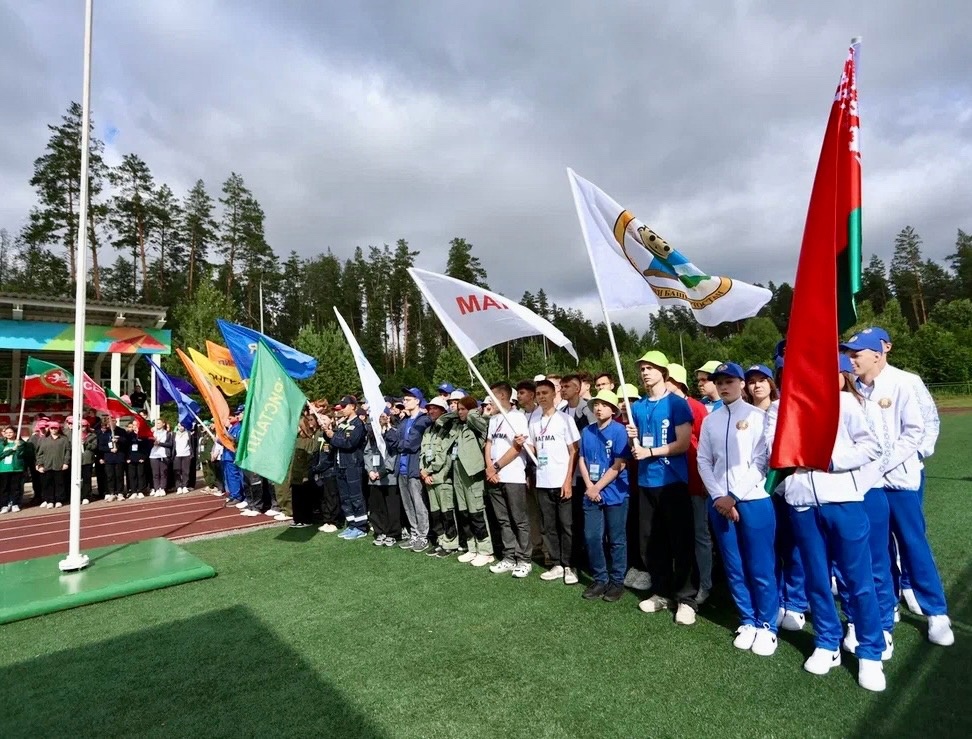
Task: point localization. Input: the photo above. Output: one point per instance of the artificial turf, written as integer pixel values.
(302, 634)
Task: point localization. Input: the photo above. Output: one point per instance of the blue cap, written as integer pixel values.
(445, 387)
(845, 363)
(879, 332)
(761, 369)
(780, 347)
(414, 392)
(240, 409)
(866, 339)
(728, 369)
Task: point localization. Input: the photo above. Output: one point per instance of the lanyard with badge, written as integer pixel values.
(648, 439)
(542, 457)
(594, 468)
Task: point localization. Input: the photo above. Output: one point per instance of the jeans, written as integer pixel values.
(601, 519)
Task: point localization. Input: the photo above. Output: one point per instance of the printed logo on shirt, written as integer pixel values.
(547, 437)
(885, 403)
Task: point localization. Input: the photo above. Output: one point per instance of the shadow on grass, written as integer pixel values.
(931, 695)
(297, 535)
(222, 673)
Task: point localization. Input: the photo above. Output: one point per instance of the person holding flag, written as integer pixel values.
(111, 456)
(232, 475)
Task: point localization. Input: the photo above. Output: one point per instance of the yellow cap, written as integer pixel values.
(656, 358)
(677, 372)
(604, 396)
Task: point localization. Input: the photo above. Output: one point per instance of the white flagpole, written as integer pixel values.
(261, 306)
(75, 560)
(600, 292)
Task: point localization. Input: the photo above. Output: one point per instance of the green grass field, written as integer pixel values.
(302, 634)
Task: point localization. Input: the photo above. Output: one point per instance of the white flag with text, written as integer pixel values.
(370, 383)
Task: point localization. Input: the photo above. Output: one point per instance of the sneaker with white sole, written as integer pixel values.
(482, 560)
(685, 615)
(5, 509)
(745, 636)
(242, 504)
(522, 569)
(390, 541)
(58, 505)
(467, 557)
(501, 567)
(655, 604)
(15, 509)
(408, 543)
(284, 517)
(570, 576)
(888, 652)
(822, 661)
(109, 498)
(249, 512)
(272, 512)
(554, 573)
(420, 545)
(940, 631)
(870, 675)
(908, 595)
(85, 501)
(355, 535)
(850, 640)
(328, 528)
(791, 620)
(379, 540)
(765, 642)
(139, 495)
(897, 615)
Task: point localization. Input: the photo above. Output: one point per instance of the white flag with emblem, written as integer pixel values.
(370, 383)
(636, 267)
(477, 319)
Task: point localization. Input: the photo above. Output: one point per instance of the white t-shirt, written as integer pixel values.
(551, 437)
(501, 438)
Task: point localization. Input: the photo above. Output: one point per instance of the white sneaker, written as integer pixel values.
(685, 615)
(5, 509)
(15, 509)
(791, 620)
(250, 512)
(58, 505)
(745, 636)
(241, 505)
(501, 567)
(870, 675)
(467, 557)
(43, 505)
(570, 576)
(897, 615)
(911, 601)
(85, 501)
(765, 642)
(481, 560)
(822, 661)
(109, 498)
(161, 493)
(271, 512)
(888, 652)
(139, 495)
(217, 493)
(554, 573)
(850, 641)
(655, 604)
(284, 517)
(522, 569)
(940, 631)
(328, 528)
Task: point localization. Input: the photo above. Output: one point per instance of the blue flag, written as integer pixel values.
(162, 395)
(187, 406)
(242, 343)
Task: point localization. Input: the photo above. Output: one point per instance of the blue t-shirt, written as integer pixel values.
(656, 421)
(601, 447)
(712, 405)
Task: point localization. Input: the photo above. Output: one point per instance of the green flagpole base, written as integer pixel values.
(35, 587)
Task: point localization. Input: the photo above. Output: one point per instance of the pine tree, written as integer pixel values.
(405, 304)
(906, 267)
(57, 181)
(961, 263)
(232, 227)
(198, 231)
(6, 252)
(874, 285)
(462, 265)
(168, 270)
(131, 216)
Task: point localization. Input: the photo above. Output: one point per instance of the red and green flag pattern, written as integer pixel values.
(117, 408)
(44, 378)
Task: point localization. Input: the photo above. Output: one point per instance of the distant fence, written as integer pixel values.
(950, 388)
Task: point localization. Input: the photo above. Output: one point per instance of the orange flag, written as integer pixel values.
(219, 354)
(214, 400)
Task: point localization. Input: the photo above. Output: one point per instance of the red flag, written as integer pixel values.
(44, 378)
(828, 276)
(118, 408)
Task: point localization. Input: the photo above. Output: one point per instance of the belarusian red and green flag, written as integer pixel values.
(828, 277)
(44, 378)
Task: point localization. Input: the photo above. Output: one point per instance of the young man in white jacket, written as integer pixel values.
(732, 462)
(895, 415)
(830, 525)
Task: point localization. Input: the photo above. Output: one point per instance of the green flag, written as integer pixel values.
(269, 430)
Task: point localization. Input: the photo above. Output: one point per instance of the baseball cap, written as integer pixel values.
(539, 377)
(728, 369)
(845, 363)
(438, 402)
(761, 369)
(863, 340)
(879, 332)
(604, 396)
(457, 395)
(709, 367)
(414, 392)
(239, 410)
(346, 400)
(446, 387)
(677, 373)
(655, 358)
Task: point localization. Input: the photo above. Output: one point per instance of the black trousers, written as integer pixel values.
(114, 478)
(86, 481)
(557, 525)
(384, 510)
(11, 488)
(331, 502)
(137, 479)
(54, 486)
(667, 540)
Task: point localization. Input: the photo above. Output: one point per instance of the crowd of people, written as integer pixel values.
(628, 485)
(632, 485)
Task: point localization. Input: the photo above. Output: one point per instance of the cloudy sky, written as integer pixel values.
(365, 122)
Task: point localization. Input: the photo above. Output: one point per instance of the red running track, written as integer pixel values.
(39, 533)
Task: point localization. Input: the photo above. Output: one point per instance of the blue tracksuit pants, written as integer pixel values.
(233, 480)
(908, 528)
(878, 519)
(789, 566)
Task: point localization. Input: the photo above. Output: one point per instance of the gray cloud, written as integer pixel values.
(362, 123)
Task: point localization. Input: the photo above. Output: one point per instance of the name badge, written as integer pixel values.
(375, 460)
(594, 472)
(542, 459)
(648, 441)
(134, 447)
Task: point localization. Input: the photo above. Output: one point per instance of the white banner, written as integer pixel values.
(477, 319)
(370, 383)
(636, 267)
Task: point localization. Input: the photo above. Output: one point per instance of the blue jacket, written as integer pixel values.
(120, 455)
(409, 444)
(349, 440)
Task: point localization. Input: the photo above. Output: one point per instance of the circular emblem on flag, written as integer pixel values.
(885, 403)
(742, 425)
